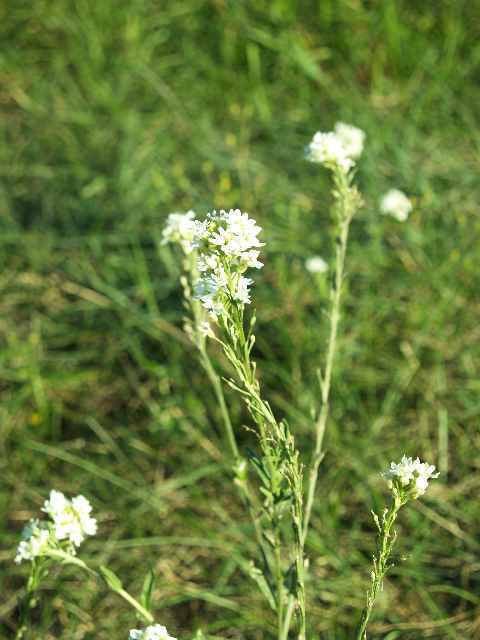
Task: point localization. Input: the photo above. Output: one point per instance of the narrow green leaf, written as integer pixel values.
(111, 579)
(147, 590)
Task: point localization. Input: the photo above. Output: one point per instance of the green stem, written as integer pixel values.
(26, 605)
(346, 206)
(385, 542)
(240, 479)
(116, 586)
(270, 431)
(279, 579)
(320, 426)
(136, 605)
(29, 599)
(215, 381)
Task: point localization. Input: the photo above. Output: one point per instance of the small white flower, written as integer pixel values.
(395, 203)
(181, 228)
(250, 259)
(423, 473)
(206, 287)
(242, 291)
(34, 543)
(316, 264)
(238, 236)
(71, 519)
(351, 137)
(153, 632)
(328, 149)
(411, 474)
(207, 290)
(208, 262)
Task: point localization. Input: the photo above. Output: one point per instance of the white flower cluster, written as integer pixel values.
(71, 518)
(227, 244)
(70, 521)
(352, 138)
(180, 228)
(395, 203)
(411, 475)
(339, 147)
(35, 541)
(153, 632)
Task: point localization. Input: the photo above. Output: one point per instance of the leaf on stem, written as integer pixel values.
(147, 590)
(112, 580)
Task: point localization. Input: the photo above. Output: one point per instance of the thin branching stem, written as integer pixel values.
(25, 606)
(241, 480)
(39, 571)
(347, 202)
(385, 542)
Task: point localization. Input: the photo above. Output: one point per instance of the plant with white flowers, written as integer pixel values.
(55, 540)
(227, 245)
(407, 480)
(68, 525)
(45, 541)
(220, 253)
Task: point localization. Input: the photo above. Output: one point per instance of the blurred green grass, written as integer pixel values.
(114, 114)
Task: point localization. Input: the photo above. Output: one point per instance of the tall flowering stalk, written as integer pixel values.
(225, 246)
(219, 250)
(347, 203)
(336, 151)
(203, 284)
(407, 480)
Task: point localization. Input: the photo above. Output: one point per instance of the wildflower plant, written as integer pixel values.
(227, 245)
(277, 487)
(56, 540)
(407, 480)
(224, 246)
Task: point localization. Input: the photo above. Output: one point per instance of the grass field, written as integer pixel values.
(114, 114)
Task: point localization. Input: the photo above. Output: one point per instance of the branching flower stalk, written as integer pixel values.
(218, 251)
(407, 480)
(279, 471)
(181, 229)
(335, 151)
(348, 201)
(224, 246)
(55, 541)
(385, 543)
